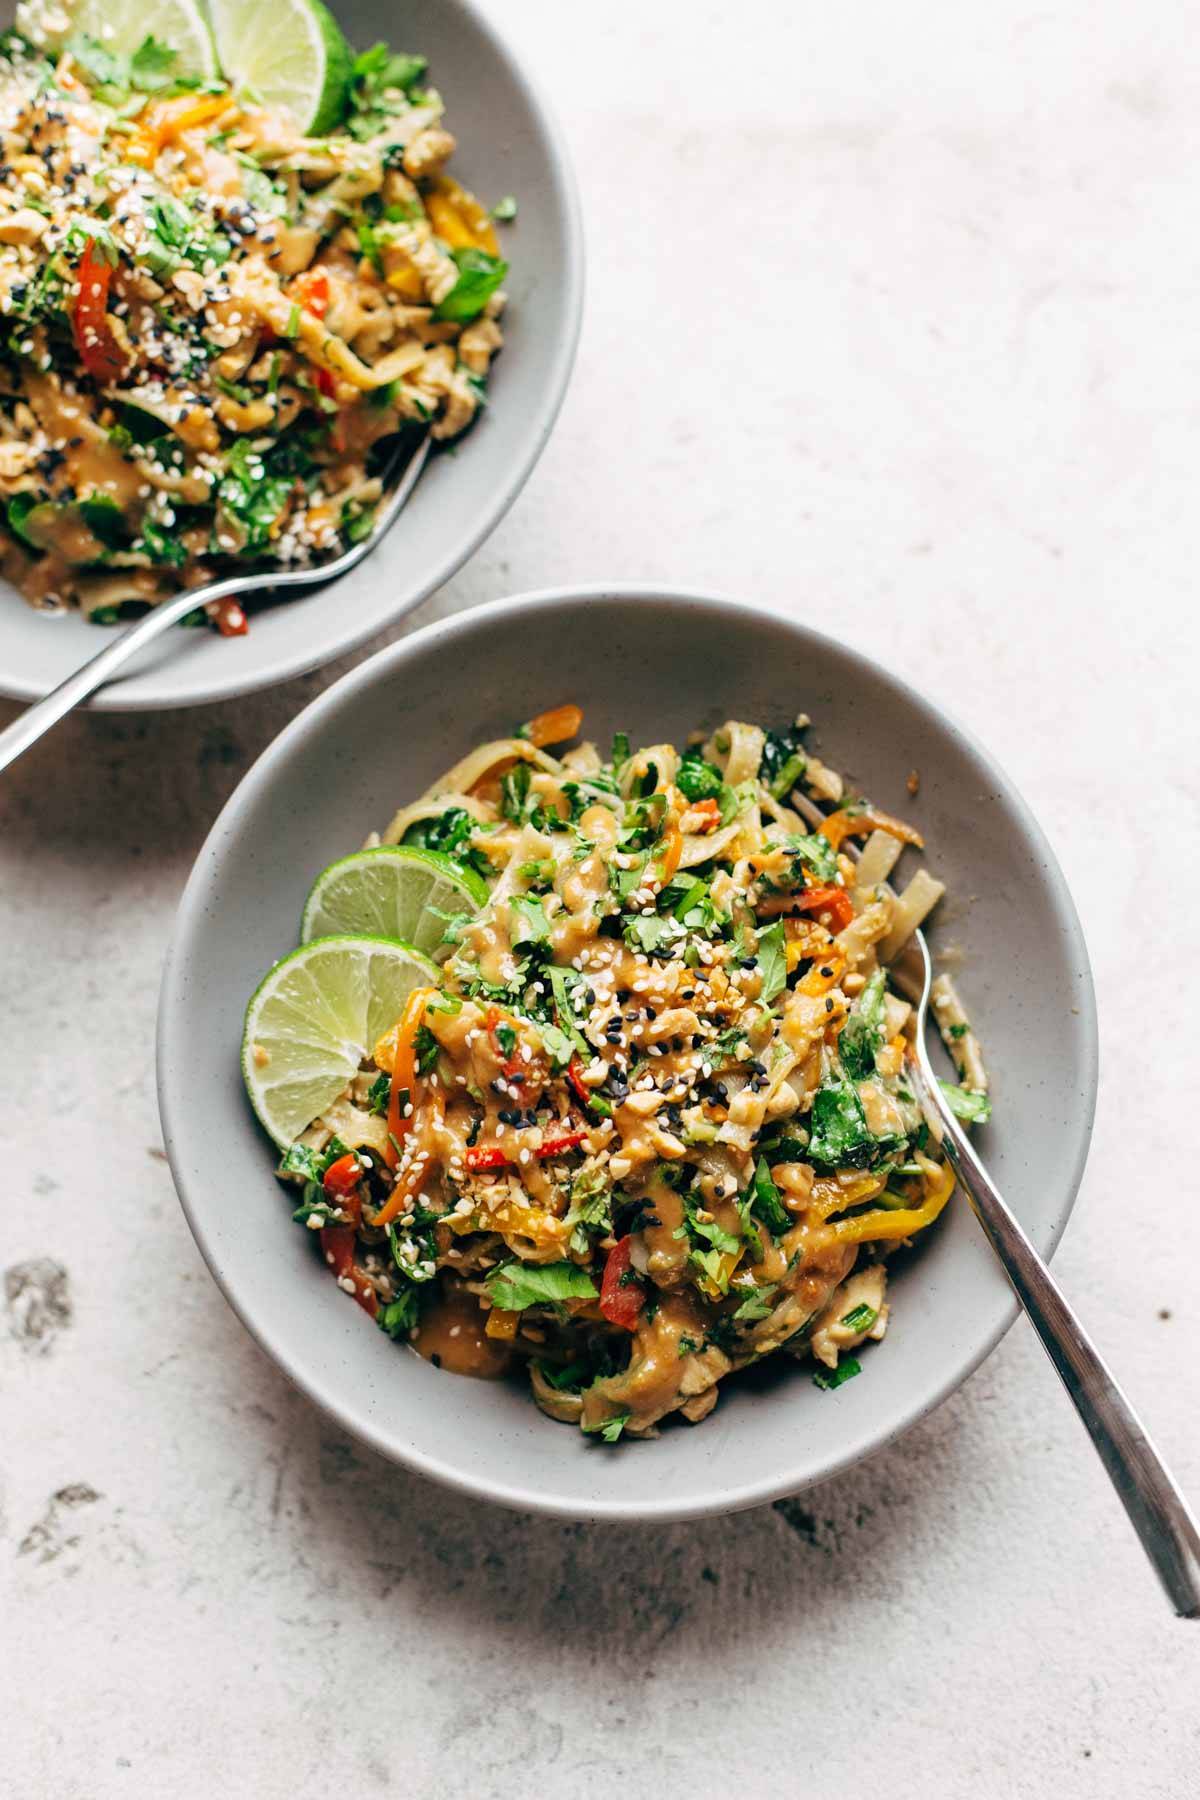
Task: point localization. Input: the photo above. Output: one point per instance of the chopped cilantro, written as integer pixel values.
(772, 961)
(517, 1285)
(861, 1318)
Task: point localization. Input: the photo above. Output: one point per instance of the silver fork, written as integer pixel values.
(33, 723)
(1149, 1493)
(1157, 1509)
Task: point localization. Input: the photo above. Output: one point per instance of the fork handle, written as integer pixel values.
(37, 719)
(1157, 1509)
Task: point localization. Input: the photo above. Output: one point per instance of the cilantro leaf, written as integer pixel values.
(756, 1305)
(772, 961)
(399, 1316)
(839, 1131)
(862, 1034)
(528, 923)
(812, 851)
(479, 276)
(517, 1285)
(765, 1201)
(611, 1429)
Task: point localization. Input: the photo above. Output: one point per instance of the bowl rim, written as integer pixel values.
(538, 427)
(171, 1043)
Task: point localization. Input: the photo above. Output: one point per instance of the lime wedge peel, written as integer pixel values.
(396, 891)
(289, 53)
(315, 1017)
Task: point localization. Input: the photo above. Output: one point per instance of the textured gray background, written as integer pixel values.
(892, 322)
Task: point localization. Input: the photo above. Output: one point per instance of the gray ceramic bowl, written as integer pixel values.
(658, 665)
(508, 144)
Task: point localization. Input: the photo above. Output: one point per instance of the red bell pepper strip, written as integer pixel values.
(622, 1297)
(832, 900)
(337, 1243)
(555, 1146)
(229, 617)
(486, 1156)
(493, 1156)
(582, 1091)
(342, 1176)
(95, 340)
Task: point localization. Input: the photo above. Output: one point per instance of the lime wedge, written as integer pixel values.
(290, 53)
(397, 891)
(121, 26)
(314, 1019)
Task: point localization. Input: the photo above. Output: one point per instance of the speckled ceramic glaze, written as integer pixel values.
(508, 144)
(658, 665)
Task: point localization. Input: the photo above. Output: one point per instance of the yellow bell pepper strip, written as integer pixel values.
(458, 218)
(904, 1221)
(553, 727)
(844, 824)
(163, 120)
(501, 1324)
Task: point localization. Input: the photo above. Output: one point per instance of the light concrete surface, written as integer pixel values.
(893, 322)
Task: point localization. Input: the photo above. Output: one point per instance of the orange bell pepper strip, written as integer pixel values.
(95, 340)
(553, 727)
(672, 850)
(844, 824)
(827, 902)
(163, 120)
(311, 291)
(404, 1071)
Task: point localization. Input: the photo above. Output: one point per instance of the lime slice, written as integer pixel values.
(315, 1017)
(122, 26)
(290, 53)
(396, 891)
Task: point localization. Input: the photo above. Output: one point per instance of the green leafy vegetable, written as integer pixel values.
(612, 1428)
(528, 921)
(839, 1134)
(517, 1285)
(814, 852)
(772, 961)
(967, 1103)
(381, 85)
(399, 1316)
(479, 276)
(846, 1370)
(862, 1034)
(250, 497)
(765, 1201)
(757, 1304)
(698, 779)
(861, 1318)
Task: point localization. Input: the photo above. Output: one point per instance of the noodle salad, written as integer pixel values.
(648, 1122)
(211, 315)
